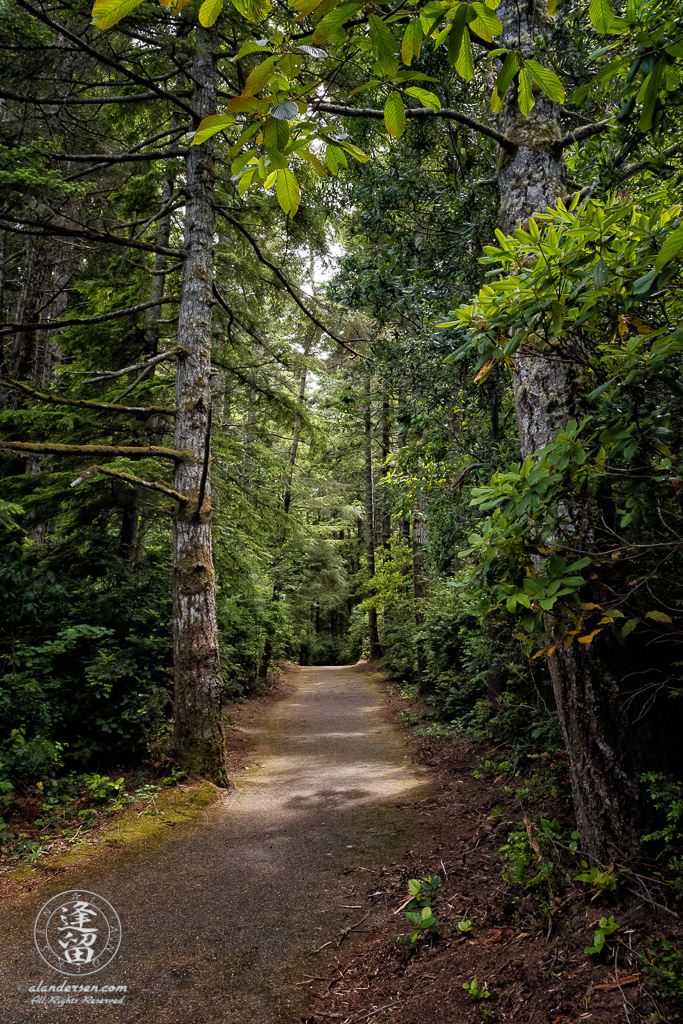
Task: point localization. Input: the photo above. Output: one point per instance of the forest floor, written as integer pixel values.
(524, 946)
(223, 915)
(283, 902)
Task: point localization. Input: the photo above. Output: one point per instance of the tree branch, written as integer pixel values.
(83, 403)
(445, 113)
(125, 451)
(87, 234)
(131, 479)
(283, 280)
(121, 158)
(110, 374)
(53, 325)
(102, 58)
(584, 132)
(647, 162)
(139, 97)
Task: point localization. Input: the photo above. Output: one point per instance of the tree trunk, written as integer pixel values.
(375, 650)
(420, 583)
(286, 502)
(199, 738)
(548, 388)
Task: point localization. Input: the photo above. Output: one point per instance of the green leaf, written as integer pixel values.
(456, 33)
(600, 273)
(526, 99)
(395, 115)
(414, 887)
(287, 191)
(335, 157)
(505, 76)
(643, 285)
(658, 616)
(546, 79)
(601, 14)
(412, 917)
(210, 125)
(629, 626)
(412, 42)
(649, 92)
(209, 11)
(671, 246)
(106, 13)
(486, 24)
(328, 25)
(252, 10)
(259, 77)
(426, 98)
(464, 63)
(426, 912)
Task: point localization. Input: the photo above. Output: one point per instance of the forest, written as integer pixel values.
(337, 331)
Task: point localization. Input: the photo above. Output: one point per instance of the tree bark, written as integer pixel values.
(420, 583)
(199, 738)
(549, 390)
(375, 650)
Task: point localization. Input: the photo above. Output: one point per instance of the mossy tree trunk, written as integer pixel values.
(549, 390)
(199, 738)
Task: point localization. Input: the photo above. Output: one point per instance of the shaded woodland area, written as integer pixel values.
(332, 331)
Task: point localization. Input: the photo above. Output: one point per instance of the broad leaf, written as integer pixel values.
(284, 111)
(525, 95)
(328, 25)
(395, 115)
(426, 98)
(106, 13)
(546, 79)
(210, 125)
(412, 42)
(287, 191)
(601, 14)
(259, 77)
(671, 246)
(209, 11)
(253, 10)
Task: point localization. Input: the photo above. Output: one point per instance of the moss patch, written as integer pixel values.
(134, 827)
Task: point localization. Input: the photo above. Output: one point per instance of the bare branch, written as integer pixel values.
(110, 374)
(103, 58)
(114, 314)
(445, 113)
(650, 163)
(585, 132)
(131, 479)
(82, 403)
(121, 158)
(139, 97)
(87, 234)
(283, 280)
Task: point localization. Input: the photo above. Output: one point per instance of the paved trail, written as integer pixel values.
(218, 922)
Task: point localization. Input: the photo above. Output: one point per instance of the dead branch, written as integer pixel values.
(129, 478)
(82, 403)
(110, 374)
(114, 314)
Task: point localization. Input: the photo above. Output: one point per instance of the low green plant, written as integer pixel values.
(465, 927)
(606, 927)
(177, 775)
(476, 991)
(605, 881)
(667, 798)
(418, 912)
(663, 966)
(101, 789)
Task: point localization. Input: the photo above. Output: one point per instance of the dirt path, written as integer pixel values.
(219, 922)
